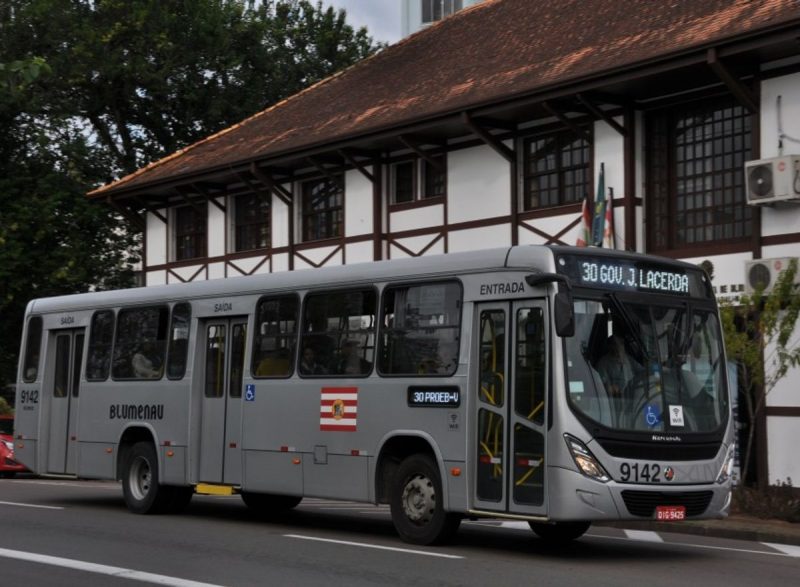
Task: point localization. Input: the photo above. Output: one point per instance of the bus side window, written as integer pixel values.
(275, 336)
(178, 341)
(140, 343)
(420, 329)
(32, 347)
(101, 337)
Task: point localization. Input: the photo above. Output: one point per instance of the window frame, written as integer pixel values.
(669, 212)
(169, 358)
(163, 309)
(197, 236)
(106, 372)
(564, 139)
(33, 348)
(332, 215)
(293, 338)
(422, 170)
(446, 8)
(261, 219)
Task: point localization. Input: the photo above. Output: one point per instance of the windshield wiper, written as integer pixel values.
(636, 340)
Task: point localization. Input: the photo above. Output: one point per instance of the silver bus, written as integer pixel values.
(554, 385)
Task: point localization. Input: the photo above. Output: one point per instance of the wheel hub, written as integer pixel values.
(419, 499)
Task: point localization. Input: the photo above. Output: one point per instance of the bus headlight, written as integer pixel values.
(585, 460)
(9, 447)
(726, 472)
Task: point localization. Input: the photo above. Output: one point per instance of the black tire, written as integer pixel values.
(560, 532)
(7, 474)
(416, 503)
(270, 504)
(140, 481)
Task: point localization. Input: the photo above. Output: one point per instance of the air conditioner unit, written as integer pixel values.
(763, 273)
(771, 181)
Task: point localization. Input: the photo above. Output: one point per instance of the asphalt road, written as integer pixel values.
(57, 532)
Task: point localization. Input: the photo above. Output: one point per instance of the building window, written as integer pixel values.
(251, 218)
(190, 232)
(556, 170)
(323, 208)
(418, 179)
(433, 10)
(695, 174)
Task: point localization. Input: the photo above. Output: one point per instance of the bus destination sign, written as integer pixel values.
(434, 397)
(626, 274)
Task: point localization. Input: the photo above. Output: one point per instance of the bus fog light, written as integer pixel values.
(726, 472)
(584, 459)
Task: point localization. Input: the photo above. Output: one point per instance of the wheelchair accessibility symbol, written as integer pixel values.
(250, 393)
(652, 415)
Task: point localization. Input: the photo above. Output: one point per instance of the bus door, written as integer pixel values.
(64, 390)
(509, 407)
(221, 420)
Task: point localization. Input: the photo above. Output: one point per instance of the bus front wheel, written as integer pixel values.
(416, 503)
(560, 532)
(140, 481)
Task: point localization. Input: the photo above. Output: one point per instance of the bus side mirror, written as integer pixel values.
(564, 314)
(564, 310)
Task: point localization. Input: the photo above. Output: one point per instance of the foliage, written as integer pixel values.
(93, 89)
(780, 502)
(758, 335)
(4, 407)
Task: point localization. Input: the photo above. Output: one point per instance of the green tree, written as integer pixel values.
(760, 336)
(130, 81)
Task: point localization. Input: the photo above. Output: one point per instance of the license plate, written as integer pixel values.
(670, 513)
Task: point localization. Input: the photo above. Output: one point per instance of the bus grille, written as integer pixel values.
(661, 452)
(643, 503)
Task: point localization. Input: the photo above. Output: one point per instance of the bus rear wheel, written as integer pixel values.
(560, 532)
(416, 503)
(140, 481)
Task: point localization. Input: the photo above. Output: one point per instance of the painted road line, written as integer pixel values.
(31, 505)
(690, 545)
(373, 546)
(643, 535)
(788, 549)
(120, 572)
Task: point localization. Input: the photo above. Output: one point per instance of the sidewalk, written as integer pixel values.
(737, 527)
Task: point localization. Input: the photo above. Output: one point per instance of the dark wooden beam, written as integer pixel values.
(185, 194)
(740, 91)
(566, 121)
(602, 115)
(351, 159)
(320, 165)
(489, 139)
(488, 122)
(201, 188)
(411, 144)
(272, 185)
(128, 214)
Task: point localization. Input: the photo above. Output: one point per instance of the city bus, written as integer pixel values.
(548, 384)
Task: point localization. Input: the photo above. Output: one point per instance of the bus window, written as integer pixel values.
(275, 336)
(339, 329)
(140, 343)
(215, 361)
(34, 343)
(420, 329)
(531, 365)
(101, 337)
(178, 341)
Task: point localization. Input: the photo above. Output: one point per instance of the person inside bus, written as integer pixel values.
(350, 361)
(146, 363)
(309, 364)
(274, 363)
(614, 366)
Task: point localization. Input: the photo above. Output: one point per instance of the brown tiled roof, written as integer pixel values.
(488, 52)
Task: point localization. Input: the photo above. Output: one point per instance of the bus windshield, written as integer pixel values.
(655, 368)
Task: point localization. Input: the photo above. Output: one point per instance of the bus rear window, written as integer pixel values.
(34, 343)
(420, 329)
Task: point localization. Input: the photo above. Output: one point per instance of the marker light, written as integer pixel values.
(585, 460)
(726, 471)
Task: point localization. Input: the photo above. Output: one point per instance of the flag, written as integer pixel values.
(586, 225)
(599, 219)
(609, 238)
(338, 409)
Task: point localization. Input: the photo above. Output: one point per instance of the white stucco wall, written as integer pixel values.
(156, 234)
(478, 184)
(357, 204)
(782, 436)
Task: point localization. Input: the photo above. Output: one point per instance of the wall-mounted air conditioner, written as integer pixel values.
(763, 273)
(771, 181)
